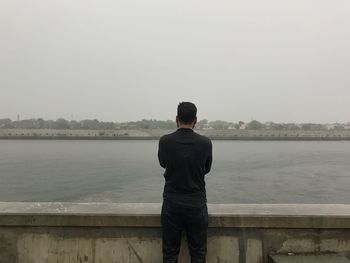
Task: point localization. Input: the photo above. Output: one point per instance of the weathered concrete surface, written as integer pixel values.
(254, 251)
(309, 259)
(147, 215)
(59, 245)
(105, 232)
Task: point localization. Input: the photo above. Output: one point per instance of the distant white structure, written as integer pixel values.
(330, 126)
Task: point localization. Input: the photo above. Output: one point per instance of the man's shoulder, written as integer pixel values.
(203, 138)
(173, 135)
(167, 136)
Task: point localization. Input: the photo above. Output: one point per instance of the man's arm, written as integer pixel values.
(161, 157)
(209, 158)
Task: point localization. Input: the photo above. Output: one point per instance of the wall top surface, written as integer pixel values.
(148, 215)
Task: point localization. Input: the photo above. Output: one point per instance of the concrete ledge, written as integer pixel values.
(327, 216)
(110, 232)
(332, 258)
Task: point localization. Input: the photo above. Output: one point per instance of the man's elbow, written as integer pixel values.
(162, 163)
(208, 166)
(207, 169)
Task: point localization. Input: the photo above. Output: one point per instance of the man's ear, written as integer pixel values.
(177, 121)
(194, 122)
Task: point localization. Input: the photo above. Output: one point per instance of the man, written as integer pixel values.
(186, 157)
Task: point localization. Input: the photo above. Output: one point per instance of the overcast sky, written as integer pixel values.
(270, 60)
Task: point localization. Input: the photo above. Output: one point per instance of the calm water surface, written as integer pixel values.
(128, 171)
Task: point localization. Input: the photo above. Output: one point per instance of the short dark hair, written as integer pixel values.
(186, 112)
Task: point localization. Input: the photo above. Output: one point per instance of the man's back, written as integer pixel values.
(186, 157)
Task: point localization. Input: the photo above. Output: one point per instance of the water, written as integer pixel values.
(128, 171)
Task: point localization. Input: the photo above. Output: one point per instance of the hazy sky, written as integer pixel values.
(271, 60)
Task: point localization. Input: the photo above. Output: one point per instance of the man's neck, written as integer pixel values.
(186, 126)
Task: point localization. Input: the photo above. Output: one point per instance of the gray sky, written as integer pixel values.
(271, 60)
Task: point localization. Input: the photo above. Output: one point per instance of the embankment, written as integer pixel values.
(109, 232)
(154, 134)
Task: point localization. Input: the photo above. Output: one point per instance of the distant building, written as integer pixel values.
(330, 126)
(207, 127)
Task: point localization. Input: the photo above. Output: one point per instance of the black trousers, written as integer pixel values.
(194, 221)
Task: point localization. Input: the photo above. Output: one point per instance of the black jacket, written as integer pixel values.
(186, 157)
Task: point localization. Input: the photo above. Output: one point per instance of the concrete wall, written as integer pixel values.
(154, 134)
(107, 232)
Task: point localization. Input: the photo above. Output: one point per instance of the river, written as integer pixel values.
(128, 171)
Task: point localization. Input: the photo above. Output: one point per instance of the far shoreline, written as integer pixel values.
(155, 134)
(130, 138)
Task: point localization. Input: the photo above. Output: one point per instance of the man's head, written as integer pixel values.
(186, 114)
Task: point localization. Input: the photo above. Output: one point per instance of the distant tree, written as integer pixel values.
(255, 125)
(231, 125)
(237, 127)
(312, 126)
(40, 123)
(106, 125)
(292, 126)
(75, 125)
(144, 124)
(202, 124)
(61, 124)
(277, 126)
(170, 124)
(90, 124)
(25, 124)
(218, 125)
(49, 124)
(5, 123)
